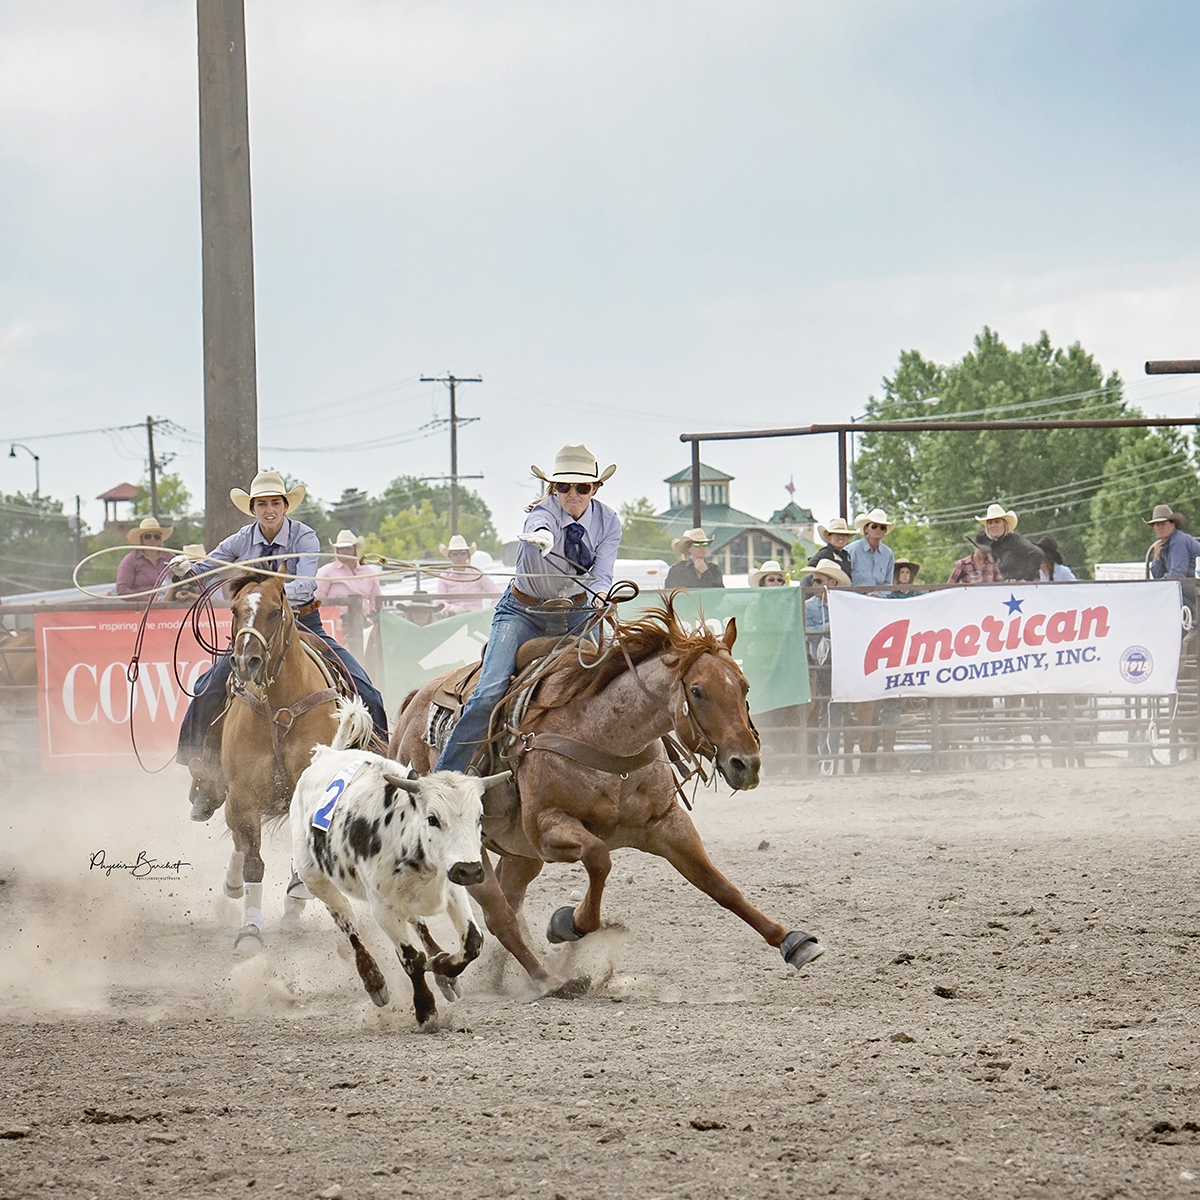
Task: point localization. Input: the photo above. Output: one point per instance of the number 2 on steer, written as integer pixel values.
(323, 814)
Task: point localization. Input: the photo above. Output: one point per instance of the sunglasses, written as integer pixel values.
(873, 525)
(774, 579)
(580, 489)
(151, 537)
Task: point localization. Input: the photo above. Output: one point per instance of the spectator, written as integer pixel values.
(871, 562)
(140, 571)
(1054, 570)
(348, 575)
(830, 716)
(1016, 557)
(835, 535)
(770, 574)
(977, 567)
(1173, 555)
(904, 575)
(694, 570)
(463, 579)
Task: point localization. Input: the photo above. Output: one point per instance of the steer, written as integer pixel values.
(409, 847)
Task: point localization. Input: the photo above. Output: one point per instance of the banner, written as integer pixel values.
(769, 647)
(1093, 639)
(85, 704)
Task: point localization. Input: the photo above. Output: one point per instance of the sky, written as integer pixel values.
(631, 219)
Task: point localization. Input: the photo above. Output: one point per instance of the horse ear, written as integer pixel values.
(730, 634)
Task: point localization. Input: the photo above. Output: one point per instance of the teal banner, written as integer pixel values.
(769, 647)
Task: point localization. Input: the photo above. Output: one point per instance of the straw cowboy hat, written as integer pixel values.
(996, 512)
(195, 551)
(830, 571)
(693, 537)
(770, 567)
(836, 525)
(575, 464)
(457, 542)
(266, 483)
(1162, 512)
(913, 567)
(875, 517)
(346, 540)
(148, 525)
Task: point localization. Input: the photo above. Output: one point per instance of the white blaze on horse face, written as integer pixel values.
(252, 602)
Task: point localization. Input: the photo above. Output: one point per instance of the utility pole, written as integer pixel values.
(454, 422)
(78, 532)
(230, 391)
(153, 468)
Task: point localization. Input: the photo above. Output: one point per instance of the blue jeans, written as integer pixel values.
(513, 625)
(211, 688)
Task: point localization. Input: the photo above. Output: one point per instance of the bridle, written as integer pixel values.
(251, 631)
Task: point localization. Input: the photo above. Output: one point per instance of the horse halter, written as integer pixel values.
(250, 631)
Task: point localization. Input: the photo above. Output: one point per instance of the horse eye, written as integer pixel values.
(434, 822)
(697, 692)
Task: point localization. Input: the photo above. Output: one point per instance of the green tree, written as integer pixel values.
(419, 530)
(407, 492)
(37, 548)
(1152, 466)
(641, 535)
(942, 480)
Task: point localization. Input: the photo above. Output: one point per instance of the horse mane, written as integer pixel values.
(238, 582)
(657, 631)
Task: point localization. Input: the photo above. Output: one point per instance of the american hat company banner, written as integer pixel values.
(769, 646)
(1115, 639)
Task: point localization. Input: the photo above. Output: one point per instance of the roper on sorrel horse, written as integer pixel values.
(283, 694)
(593, 774)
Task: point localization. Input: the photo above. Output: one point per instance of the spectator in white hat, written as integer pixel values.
(140, 570)
(463, 579)
(871, 561)
(836, 535)
(770, 574)
(694, 570)
(348, 574)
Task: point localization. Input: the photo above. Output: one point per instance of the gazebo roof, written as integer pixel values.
(123, 491)
(707, 475)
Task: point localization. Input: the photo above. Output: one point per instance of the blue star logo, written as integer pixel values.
(1013, 604)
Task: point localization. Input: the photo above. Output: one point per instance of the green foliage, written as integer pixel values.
(418, 530)
(37, 548)
(1151, 466)
(408, 494)
(942, 480)
(641, 535)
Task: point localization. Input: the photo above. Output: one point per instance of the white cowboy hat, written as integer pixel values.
(195, 551)
(693, 537)
(836, 525)
(575, 464)
(996, 512)
(831, 570)
(875, 517)
(457, 542)
(770, 567)
(346, 539)
(267, 483)
(148, 525)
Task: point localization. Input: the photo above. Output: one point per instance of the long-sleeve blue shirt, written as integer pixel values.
(870, 567)
(297, 540)
(546, 578)
(1177, 559)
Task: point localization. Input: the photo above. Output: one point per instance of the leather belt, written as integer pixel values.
(305, 609)
(533, 602)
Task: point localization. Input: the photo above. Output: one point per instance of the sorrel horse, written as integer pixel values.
(282, 705)
(655, 677)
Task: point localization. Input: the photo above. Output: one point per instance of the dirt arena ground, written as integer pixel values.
(1007, 1007)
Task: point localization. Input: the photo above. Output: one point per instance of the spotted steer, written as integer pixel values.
(362, 828)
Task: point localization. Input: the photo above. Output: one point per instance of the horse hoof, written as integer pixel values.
(573, 989)
(252, 936)
(448, 987)
(562, 926)
(380, 997)
(799, 948)
(234, 893)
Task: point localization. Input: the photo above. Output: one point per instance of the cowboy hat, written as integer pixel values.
(346, 539)
(875, 517)
(913, 567)
(836, 525)
(1162, 512)
(1049, 547)
(195, 551)
(575, 464)
(148, 525)
(693, 537)
(830, 571)
(457, 542)
(266, 483)
(771, 567)
(996, 512)
(980, 541)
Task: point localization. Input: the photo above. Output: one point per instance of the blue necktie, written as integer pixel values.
(576, 552)
(279, 564)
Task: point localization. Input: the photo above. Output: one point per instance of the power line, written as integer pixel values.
(454, 421)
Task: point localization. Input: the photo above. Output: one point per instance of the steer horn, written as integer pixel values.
(412, 786)
(491, 780)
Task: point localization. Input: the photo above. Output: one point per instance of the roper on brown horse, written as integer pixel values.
(603, 713)
(282, 701)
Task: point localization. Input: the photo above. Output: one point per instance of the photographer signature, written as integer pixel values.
(143, 867)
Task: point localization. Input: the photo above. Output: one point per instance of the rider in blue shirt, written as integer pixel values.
(569, 536)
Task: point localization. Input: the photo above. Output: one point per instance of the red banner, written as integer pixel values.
(86, 705)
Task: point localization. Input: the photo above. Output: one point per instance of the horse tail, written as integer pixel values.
(407, 701)
(354, 729)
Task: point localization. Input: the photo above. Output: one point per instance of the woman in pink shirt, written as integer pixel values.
(348, 575)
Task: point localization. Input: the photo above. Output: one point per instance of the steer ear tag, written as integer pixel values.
(337, 786)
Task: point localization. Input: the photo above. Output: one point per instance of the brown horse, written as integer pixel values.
(573, 812)
(282, 705)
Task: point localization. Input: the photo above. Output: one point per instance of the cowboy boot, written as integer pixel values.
(207, 792)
